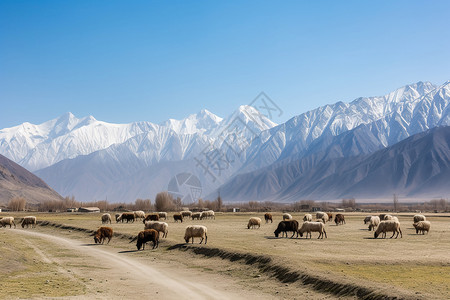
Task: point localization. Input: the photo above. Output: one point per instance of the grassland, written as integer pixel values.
(415, 265)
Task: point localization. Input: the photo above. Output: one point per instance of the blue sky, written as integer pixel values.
(124, 61)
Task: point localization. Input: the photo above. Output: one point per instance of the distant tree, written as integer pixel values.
(141, 204)
(395, 202)
(17, 204)
(164, 202)
(219, 202)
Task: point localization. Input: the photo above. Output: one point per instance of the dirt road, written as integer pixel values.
(118, 275)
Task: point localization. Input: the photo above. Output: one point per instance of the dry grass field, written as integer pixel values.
(415, 266)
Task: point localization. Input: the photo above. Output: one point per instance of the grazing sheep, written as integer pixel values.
(161, 227)
(339, 219)
(422, 226)
(373, 222)
(208, 214)
(367, 219)
(418, 218)
(268, 217)
(322, 215)
(253, 222)
(330, 217)
(106, 218)
(177, 217)
(162, 214)
(307, 218)
(185, 214)
(196, 231)
(128, 216)
(388, 226)
(30, 220)
(287, 216)
(285, 226)
(102, 233)
(118, 217)
(148, 235)
(196, 215)
(7, 221)
(151, 217)
(309, 227)
(139, 214)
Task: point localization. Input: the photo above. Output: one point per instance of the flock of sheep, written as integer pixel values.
(383, 223)
(26, 221)
(154, 228)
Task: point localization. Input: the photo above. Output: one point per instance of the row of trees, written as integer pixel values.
(165, 202)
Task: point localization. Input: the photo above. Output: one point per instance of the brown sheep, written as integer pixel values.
(147, 235)
(285, 226)
(151, 217)
(128, 216)
(177, 217)
(339, 219)
(102, 233)
(268, 217)
(27, 221)
(330, 217)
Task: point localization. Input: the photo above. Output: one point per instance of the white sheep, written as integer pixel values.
(161, 227)
(373, 222)
(162, 214)
(29, 220)
(387, 217)
(307, 218)
(106, 218)
(287, 216)
(320, 220)
(208, 214)
(7, 221)
(196, 231)
(388, 226)
(322, 215)
(253, 222)
(422, 226)
(418, 218)
(139, 214)
(309, 227)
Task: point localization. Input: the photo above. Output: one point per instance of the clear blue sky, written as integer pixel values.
(124, 61)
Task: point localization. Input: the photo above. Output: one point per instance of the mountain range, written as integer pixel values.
(246, 156)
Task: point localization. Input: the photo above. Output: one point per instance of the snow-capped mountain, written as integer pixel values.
(93, 159)
(39, 146)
